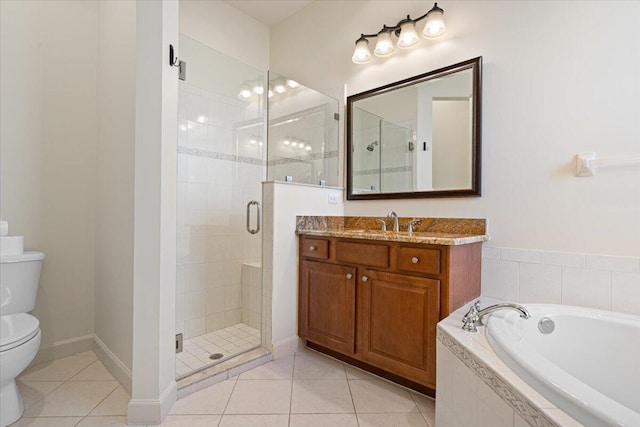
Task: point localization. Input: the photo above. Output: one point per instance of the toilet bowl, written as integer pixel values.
(19, 331)
(19, 343)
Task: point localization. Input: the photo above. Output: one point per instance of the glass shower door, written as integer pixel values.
(221, 166)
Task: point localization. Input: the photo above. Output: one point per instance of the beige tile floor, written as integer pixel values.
(305, 390)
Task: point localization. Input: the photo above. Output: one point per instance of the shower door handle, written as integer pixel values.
(249, 229)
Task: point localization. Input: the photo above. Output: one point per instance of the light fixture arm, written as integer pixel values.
(396, 28)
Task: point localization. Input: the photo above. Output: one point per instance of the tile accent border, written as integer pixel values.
(516, 400)
(305, 158)
(253, 160)
(383, 170)
(221, 156)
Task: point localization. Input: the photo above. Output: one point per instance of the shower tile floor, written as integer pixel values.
(228, 342)
(307, 389)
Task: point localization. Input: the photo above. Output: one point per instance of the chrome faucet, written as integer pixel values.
(473, 318)
(396, 223)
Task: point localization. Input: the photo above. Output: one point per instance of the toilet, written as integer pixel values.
(19, 330)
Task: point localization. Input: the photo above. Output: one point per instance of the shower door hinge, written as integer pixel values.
(336, 116)
(174, 61)
(182, 72)
(178, 343)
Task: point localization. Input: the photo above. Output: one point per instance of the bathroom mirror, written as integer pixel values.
(419, 137)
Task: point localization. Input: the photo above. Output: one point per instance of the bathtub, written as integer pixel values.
(589, 366)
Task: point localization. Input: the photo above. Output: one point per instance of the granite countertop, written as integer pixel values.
(435, 231)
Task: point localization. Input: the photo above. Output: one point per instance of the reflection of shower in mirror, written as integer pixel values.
(370, 146)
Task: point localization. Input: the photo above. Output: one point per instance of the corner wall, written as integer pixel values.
(48, 144)
(114, 222)
(553, 86)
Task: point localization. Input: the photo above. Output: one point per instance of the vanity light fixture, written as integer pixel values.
(404, 30)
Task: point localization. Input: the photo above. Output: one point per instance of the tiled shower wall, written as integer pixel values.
(595, 281)
(219, 171)
(252, 295)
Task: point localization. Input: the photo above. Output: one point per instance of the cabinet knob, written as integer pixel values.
(312, 248)
(415, 260)
(349, 275)
(365, 278)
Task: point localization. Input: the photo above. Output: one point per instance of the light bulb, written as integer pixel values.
(258, 89)
(245, 92)
(384, 46)
(308, 148)
(286, 142)
(408, 36)
(294, 144)
(252, 141)
(278, 87)
(435, 23)
(260, 143)
(301, 145)
(292, 84)
(361, 54)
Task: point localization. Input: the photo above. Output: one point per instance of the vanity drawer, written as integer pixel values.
(363, 253)
(315, 248)
(420, 260)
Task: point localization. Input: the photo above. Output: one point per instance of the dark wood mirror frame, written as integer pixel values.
(475, 65)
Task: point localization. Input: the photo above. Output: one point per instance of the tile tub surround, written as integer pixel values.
(585, 280)
(437, 231)
(473, 377)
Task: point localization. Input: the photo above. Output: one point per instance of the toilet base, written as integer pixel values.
(11, 404)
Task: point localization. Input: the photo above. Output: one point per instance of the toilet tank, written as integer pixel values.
(19, 278)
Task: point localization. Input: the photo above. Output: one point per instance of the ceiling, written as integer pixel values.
(269, 12)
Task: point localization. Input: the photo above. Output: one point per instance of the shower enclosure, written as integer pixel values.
(385, 160)
(221, 166)
(303, 134)
(222, 161)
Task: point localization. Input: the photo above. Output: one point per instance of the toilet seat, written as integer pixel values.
(16, 329)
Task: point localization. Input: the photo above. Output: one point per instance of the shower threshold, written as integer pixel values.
(226, 369)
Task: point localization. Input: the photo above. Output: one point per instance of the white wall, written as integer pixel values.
(154, 389)
(553, 86)
(48, 139)
(116, 134)
(227, 30)
(282, 202)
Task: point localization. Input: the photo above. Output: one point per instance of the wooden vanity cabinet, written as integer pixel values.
(398, 316)
(328, 295)
(376, 304)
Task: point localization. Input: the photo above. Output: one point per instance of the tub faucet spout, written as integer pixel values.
(474, 316)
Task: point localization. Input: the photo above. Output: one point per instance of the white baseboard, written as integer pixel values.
(113, 364)
(64, 348)
(287, 347)
(152, 411)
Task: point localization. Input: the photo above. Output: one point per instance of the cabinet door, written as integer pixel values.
(398, 317)
(326, 306)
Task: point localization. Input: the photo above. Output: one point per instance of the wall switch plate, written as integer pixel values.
(333, 199)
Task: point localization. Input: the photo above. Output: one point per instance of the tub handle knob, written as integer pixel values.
(470, 320)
